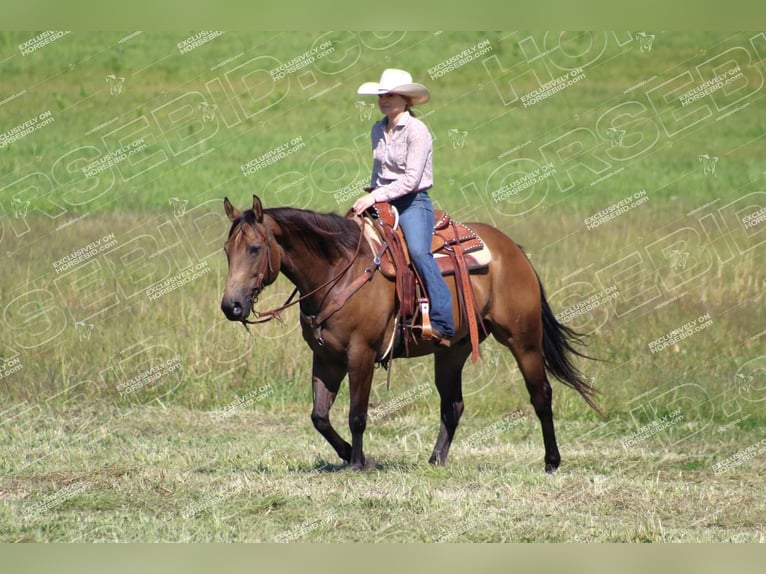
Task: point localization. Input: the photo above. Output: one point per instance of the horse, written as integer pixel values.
(348, 317)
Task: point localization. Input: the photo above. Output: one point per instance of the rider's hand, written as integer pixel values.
(363, 204)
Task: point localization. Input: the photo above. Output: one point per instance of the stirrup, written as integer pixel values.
(426, 330)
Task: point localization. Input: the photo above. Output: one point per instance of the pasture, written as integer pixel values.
(628, 165)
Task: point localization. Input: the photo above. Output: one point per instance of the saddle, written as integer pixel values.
(457, 249)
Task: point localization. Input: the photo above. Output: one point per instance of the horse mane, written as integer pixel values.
(327, 235)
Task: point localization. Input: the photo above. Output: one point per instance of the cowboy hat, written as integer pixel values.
(393, 81)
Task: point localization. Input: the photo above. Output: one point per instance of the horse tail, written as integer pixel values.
(558, 350)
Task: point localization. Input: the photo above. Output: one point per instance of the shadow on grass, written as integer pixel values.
(373, 464)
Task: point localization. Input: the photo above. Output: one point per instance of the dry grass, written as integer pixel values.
(176, 475)
(84, 459)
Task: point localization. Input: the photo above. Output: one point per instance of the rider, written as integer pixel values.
(402, 174)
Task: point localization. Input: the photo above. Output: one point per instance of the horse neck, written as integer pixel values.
(304, 268)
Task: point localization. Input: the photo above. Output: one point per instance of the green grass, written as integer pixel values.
(111, 461)
(175, 475)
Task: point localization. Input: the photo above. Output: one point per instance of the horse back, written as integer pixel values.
(510, 276)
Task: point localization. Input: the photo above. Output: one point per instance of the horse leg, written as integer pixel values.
(326, 379)
(532, 366)
(361, 365)
(448, 368)
(529, 357)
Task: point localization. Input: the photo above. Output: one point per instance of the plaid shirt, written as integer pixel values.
(402, 164)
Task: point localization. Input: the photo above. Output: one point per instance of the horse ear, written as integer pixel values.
(231, 212)
(257, 209)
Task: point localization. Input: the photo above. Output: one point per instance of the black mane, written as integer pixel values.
(327, 235)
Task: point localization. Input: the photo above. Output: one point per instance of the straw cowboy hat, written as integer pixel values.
(393, 81)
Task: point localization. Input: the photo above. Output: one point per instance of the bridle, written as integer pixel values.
(337, 302)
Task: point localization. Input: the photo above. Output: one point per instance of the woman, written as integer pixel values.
(402, 174)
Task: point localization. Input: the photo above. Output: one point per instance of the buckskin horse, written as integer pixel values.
(348, 317)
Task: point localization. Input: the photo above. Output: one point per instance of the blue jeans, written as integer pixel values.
(416, 218)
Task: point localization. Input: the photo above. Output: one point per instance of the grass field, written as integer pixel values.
(629, 166)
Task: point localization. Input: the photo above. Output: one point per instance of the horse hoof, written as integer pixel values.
(550, 468)
(368, 464)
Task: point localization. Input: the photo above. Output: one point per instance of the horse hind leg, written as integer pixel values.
(531, 363)
(532, 366)
(448, 367)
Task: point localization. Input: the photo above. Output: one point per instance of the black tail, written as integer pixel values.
(558, 340)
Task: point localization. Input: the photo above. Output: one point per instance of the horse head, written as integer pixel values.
(254, 260)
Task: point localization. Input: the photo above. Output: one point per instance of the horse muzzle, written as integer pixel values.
(237, 308)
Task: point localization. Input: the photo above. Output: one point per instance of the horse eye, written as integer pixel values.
(253, 249)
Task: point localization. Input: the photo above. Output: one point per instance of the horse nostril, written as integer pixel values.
(233, 310)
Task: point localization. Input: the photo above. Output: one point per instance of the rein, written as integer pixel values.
(338, 302)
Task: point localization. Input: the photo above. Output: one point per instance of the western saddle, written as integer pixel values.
(457, 249)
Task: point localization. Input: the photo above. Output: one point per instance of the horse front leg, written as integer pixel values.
(361, 366)
(325, 380)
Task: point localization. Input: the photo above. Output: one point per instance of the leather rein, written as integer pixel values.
(337, 302)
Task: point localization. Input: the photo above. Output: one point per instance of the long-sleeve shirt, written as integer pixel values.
(402, 162)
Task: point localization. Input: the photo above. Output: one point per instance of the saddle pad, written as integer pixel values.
(477, 259)
(474, 260)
